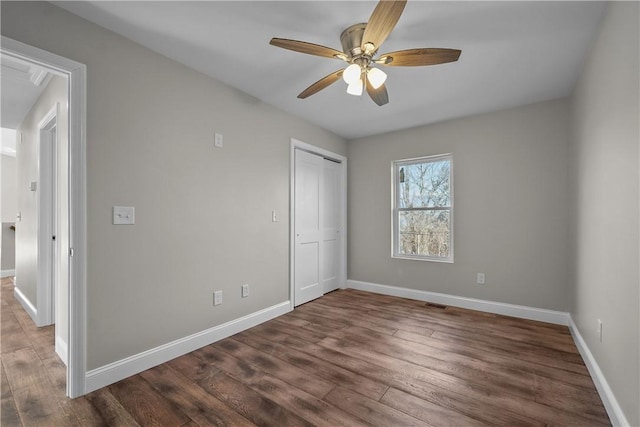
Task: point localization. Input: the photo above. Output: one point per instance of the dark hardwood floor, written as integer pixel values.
(349, 358)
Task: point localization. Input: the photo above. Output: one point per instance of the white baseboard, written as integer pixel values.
(7, 273)
(606, 394)
(116, 371)
(26, 304)
(520, 311)
(61, 350)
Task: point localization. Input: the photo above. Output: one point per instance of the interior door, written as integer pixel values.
(330, 224)
(308, 232)
(317, 226)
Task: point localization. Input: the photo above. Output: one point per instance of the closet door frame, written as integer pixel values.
(342, 257)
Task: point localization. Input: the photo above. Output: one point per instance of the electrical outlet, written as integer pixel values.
(480, 279)
(217, 298)
(599, 330)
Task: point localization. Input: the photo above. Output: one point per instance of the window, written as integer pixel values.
(423, 208)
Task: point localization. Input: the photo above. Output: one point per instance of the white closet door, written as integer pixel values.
(308, 233)
(330, 225)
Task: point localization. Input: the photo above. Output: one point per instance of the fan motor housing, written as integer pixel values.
(351, 39)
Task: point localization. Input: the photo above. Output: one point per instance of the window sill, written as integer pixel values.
(420, 258)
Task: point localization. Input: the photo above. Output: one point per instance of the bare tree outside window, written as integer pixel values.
(423, 208)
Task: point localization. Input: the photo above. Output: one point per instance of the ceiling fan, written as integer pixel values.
(360, 44)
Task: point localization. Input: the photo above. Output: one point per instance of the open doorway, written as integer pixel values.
(51, 202)
(32, 96)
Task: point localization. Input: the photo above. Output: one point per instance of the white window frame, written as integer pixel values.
(395, 210)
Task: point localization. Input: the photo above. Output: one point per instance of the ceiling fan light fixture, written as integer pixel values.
(376, 77)
(360, 43)
(352, 74)
(355, 88)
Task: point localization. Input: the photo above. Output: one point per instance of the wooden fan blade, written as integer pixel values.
(321, 84)
(418, 57)
(305, 47)
(379, 96)
(382, 21)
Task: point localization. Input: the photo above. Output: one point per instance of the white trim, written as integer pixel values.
(26, 304)
(8, 273)
(116, 371)
(77, 78)
(297, 144)
(616, 415)
(520, 311)
(61, 349)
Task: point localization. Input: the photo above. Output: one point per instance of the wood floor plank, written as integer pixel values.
(451, 391)
(287, 395)
(13, 336)
(508, 351)
(431, 413)
(241, 398)
(368, 320)
(87, 414)
(146, 405)
(109, 409)
(476, 401)
(484, 333)
(423, 313)
(370, 410)
(8, 411)
(195, 402)
(303, 333)
(312, 384)
(36, 398)
(317, 366)
(308, 311)
(446, 348)
(493, 377)
(457, 393)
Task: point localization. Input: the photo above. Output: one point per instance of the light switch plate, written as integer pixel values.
(124, 215)
(218, 140)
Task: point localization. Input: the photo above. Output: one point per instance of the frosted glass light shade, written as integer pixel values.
(352, 74)
(376, 77)
(355, 88)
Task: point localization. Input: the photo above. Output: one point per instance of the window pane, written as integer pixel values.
(424, 233)
(424, 185)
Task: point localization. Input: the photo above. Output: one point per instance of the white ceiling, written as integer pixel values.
(513, 53)
(20, 85)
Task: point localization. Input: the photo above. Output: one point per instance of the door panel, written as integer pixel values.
(330, 223)
(308, 247)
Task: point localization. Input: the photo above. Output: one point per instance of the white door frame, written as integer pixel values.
(46, 211)
(342, 275)
(77, 77)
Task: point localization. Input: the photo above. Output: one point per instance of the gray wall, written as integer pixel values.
(8, 249)
(606, 134)
(9, 204)
(511, 186)
(203, 215)
(8, 210)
